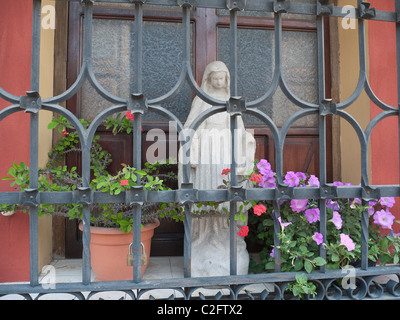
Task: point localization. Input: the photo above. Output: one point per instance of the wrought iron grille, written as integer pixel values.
(139, 105)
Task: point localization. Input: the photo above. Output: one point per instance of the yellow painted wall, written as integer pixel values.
(347, 70)
(45, 135)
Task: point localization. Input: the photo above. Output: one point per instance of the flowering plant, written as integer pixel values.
(299, 235)
(57, 177)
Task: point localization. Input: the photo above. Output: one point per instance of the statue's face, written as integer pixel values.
(218, 79)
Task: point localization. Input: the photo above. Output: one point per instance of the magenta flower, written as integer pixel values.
(384, 219)
(298, 205)
(318, 238)
(283, 224)
(312, 215)
(332, 204)
(272, 254)
(371, 209)
(387, 201)
(313, 181)
(355, 203)
(337, 220)
(347, 242)
(291, 179)
(301, 176)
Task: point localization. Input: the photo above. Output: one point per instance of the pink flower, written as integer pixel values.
(298, 205)
(301, 175)
(283, 224)
(318, 238)
(312, 215)
(259, 209)
(225, 171)
(65, 132)
(313, 181)
(129, 115)
(387, 201)
(337, 220)
(243, 232)
(124, 182)
(384, 219)
(347, 242)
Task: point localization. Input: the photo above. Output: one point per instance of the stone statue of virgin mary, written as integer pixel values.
(210, 154)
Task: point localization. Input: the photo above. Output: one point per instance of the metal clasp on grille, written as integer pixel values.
(186, 194)
(238, 5)
(31, 103)
(365, 11)
(324, 8)
(30, 197)
(235, 106)
(137, 103)
(281, 6)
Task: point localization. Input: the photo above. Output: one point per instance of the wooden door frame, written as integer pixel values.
(68, 56)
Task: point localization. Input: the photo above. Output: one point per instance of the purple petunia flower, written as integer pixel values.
(387, 201)
(301, 176)
(332, 204)
(347, 242)
(313, 181)
(384, 219)
(371, 209)
(268, 181)
(312, 215)
(264, 166)
(298, 205)
(283, 224)
(272, 254)
(318, 238)
(291, 179)
(337, 220)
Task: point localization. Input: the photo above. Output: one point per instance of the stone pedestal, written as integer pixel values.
(211, 248)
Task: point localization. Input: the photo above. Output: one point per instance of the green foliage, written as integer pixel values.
(58, 177)
(302, 286)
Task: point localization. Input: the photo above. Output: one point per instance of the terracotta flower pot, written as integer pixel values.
(109, 248)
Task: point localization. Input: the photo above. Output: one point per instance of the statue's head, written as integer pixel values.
(216, 76)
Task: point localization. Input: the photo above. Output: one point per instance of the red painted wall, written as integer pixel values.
(383, 80)
(15, 51)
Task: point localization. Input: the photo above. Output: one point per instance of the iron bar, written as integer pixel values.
(321, 135)
(34, 145)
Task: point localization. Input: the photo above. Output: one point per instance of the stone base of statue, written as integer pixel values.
(211, 248)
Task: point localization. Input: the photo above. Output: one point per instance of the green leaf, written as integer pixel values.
(319, 261)
(308, 266)
(334, 257)
(298, 264)
(52, 125)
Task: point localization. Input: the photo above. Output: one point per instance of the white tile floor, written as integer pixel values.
(70, 270)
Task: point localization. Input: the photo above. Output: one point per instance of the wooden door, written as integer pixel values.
(162, 43)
